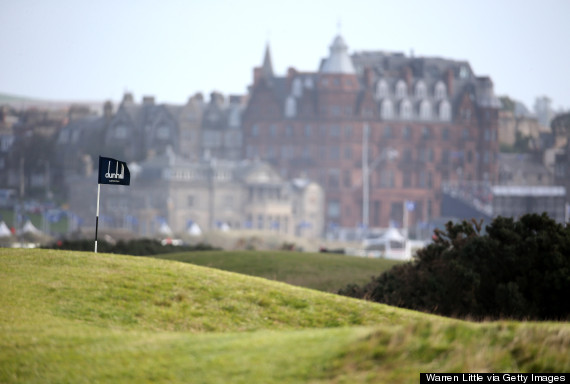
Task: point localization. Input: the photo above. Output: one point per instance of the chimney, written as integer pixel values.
(108, 109)
(148, 100)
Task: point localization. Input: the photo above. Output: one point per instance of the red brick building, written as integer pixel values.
(440, 118)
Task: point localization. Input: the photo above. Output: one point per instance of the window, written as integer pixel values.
(254, 130)
(425, 110)
(334, 178)
(381, 89)
(445, 156)
(335, 130)
(387, 179)
(407, 133)
(388, 132)
(421, 91)
(445, 133)
(273, 130)
(333, 209)
(407, 179)
(348, 132)
(334, 153)
(190, 201)
(387, 109)
(289, 131)
(426, 133)
(401, 89)
(440, 91)
(307, 130)
(465, 134)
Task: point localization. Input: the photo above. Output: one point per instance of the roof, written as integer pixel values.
(338, 62)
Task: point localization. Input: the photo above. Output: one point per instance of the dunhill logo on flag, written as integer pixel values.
(113, 171)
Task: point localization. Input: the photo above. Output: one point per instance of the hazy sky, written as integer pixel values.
(97, 50)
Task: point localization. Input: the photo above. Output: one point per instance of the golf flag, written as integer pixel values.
(113, 171)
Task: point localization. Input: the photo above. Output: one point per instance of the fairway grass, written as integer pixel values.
(72, 317)
(327, 272)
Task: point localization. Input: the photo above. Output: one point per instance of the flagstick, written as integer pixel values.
(97, 215)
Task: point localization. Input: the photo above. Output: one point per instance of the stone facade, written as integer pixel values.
(169, 193)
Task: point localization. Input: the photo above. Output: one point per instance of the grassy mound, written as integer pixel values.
(72, 317)
(327, 272)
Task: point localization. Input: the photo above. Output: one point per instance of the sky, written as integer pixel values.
(78, 50)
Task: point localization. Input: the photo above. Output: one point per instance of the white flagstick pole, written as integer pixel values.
(97, 216)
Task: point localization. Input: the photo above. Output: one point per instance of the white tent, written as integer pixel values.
(4, 230)
(164, 229)
(29, 228)
(194, 230)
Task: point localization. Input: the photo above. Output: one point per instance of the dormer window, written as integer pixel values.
(425, 110)
(445, 111)
(381, 89)
(401, 89)
(387, 109)
(440, 91)
(421, 90)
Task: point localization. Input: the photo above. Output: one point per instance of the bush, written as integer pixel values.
(517, 269)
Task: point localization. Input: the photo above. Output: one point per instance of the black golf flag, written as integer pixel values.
(113, 171)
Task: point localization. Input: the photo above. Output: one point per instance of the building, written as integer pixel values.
(170, 194)
(423, 121)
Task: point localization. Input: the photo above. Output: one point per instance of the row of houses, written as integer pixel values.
(376, 131)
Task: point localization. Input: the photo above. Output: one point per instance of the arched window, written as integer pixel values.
(290, 107)
(387, 109)
(405, 109)
(445, 111)
(421, 90)
(401, 89)
(440, 91)
(425, 110)
(382, 89)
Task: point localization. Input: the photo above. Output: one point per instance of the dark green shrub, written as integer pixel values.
(516, 269)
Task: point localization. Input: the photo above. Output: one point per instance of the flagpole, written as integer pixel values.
(97, 216)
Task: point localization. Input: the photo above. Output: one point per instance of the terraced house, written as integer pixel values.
(401, 124)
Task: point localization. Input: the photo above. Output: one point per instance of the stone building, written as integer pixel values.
(437, 117)
(168, 194)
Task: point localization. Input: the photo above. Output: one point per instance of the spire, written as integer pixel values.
(267, 65)
(338, 61)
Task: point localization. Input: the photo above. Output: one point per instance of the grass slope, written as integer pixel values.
(72, 317)
(327, 272)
